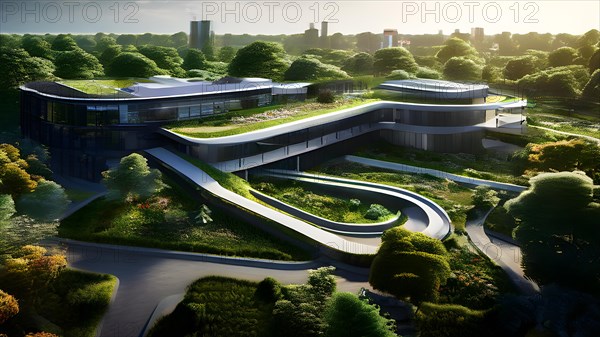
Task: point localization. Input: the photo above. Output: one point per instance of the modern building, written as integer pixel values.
(200, 34)
(324, 39)
(390, 38)
(477, 35)
(86, 133)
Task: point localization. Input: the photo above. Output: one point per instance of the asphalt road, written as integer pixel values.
(146, 278)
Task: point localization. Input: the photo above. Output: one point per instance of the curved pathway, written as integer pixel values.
(424, 215)
(203, 180)
(149, 276)
(507, 255)
(435, 173)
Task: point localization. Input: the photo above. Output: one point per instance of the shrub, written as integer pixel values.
(399, 75)
(268, 290)
(348, 316)
(8, 306)
(484, 197)
(354, 204)
(326, 96)
(447, 320)
(376, 211)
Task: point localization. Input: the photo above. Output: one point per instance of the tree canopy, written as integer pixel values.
(165, 57)
(18, 67)
(388, 59)
(455, 47)
(558, 230)
(519, 67)
(462, 68)
(259, 59)
(359, 64)
(348, 316)
(132, 178)
(133, 65)
(77, 64)
(309, 68)
(194, 59)
(46, 203)
(562, 57)
(409, 265)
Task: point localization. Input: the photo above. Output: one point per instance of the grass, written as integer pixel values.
(77, 301)
(563, 123)
(167, 221)
(227, 180)
(102, 86)
(389, 95)
(483, 166)
(301, 196)
(219, 305)
(454, 198)
(477, 282)
(76, 195)
(238, 122)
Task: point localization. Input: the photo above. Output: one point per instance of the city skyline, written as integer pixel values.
(292, 17)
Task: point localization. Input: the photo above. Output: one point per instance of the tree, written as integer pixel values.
(15, 181)
(259, 59)
(126, 39)
(359, 64)
(592, 88)
(37, 47)
(77, 64)
(484, 197)
(348, 316)
(397, 58)
(562, 57)
(461, 68)
(519, 67)
(424, 72)
(86, 42)
(194, 59)
(64, 42)
(165, 57)
(409, 265)
(109, 54)
(104, 42)
(594, 62)
(565, 155)
(9, 307)
(132, 178)
(133, 65)
(491, 74)
(564, 81)
(226, 54)
(47, 202)
(558, 230)
(18, 67)
(7, 207)
(308, 68)
(179, 39)
(455, 47)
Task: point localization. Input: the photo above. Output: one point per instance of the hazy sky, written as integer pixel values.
(288, 17)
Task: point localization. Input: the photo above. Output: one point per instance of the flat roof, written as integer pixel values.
(437, 88)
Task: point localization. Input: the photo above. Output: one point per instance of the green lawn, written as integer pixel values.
(300, 195)
(564, 123)
(76, 302)
(217, 306)
(454, 198)
(483, 166)
(167, 221)
(238, 122)
(102, 86)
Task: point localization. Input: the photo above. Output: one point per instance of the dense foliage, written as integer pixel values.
(132, 179)
(259, 59)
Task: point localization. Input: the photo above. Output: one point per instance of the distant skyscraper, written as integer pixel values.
(477, 34)
(324, 28)
(311, 37)
(200, 34)
(390, 38)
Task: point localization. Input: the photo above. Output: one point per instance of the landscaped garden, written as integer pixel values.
(454, 198)
(102, 86)
(170, 217)
(237, 122)
(333, 208)
(42, 295)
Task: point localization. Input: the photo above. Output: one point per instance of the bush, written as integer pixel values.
(484, 197)
(376, 211)
(399, 75)
(8, 306)
(326, 96)
(354, 203)
(447, 320)
(268, 290)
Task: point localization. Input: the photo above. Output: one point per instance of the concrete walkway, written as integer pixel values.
(207, 183)
(506, 255)
(149, 277)
(435, 173)
(424, 215)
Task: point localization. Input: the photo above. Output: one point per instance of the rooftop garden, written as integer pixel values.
(102, 86)
(238, 122)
